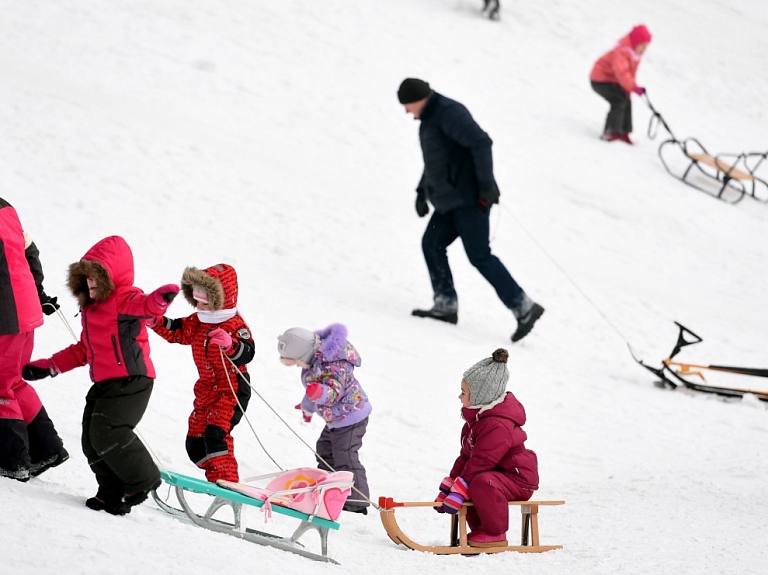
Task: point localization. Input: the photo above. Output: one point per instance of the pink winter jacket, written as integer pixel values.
(618, 66)
(493, 440)
(20, 309)
(114, 341)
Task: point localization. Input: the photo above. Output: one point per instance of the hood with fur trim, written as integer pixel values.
(219, 282)
(109, 262)
(334, 345)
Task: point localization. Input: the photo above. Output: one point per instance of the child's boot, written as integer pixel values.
(479, 538)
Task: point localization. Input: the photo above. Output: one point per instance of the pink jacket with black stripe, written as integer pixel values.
(114, 341)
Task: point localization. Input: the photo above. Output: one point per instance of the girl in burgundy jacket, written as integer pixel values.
(493, 466)
(115, 347)
(613, 78)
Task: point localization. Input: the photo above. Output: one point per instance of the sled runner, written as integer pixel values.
(674, 374)
(310, 495)
(529, 534)
(728, 177)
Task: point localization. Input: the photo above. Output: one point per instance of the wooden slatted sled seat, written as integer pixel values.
(529, 531)
(312, 496)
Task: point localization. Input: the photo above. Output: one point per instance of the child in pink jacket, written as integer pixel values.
(613, 78)
(115, 347)
(493, 466)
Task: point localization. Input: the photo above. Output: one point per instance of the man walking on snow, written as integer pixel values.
(458, 181)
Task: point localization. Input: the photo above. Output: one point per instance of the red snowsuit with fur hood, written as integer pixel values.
(222, 382)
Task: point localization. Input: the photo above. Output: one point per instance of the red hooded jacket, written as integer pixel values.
(492, 439)
(114, 339)
(618, 66)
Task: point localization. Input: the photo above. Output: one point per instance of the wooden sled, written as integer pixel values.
(275, 501)
(529, 533)
(734, 174)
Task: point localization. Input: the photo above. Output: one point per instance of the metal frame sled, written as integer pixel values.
(674, 374)
(226, 497)
(734, 173)
(529, 533)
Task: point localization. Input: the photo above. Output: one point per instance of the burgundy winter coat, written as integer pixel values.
(114, 339)
(20, 309)
(493, 440)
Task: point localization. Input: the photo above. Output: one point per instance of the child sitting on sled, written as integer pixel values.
(493, 466)
(221, 347)
(327, 361)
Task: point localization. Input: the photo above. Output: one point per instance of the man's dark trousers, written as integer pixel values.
(472, 225)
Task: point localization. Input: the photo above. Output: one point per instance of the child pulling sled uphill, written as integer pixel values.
(223, 384)
(493, 466)
(613, 78)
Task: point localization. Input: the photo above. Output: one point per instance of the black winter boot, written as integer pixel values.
(112, 507)
(19, 473)
(434, 313)
(36, 468)
(139, 497)
(525, 323)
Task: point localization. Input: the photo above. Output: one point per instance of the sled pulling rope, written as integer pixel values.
(736, 174)
(458, 544)
(674, 374)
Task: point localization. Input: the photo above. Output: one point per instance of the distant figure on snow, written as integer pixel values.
(458, 180)
(327, 361)
(493, 466)
(29, 443)
(223, 384)
(613, 77)
(115, 346)
(491, 8)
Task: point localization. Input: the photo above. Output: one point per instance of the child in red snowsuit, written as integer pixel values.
(222, 390)
(613, 77)
(493, 466)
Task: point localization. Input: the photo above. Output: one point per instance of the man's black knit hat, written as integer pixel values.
(412, 90)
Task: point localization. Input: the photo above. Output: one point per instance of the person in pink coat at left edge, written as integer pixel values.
(493, 466)
(115, 346)
(613, 78)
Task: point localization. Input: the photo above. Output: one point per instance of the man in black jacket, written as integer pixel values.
(458, 181)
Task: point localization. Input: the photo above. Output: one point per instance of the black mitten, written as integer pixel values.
(422, 207)
(49, 304)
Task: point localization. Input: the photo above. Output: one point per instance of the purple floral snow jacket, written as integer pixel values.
(343, 401)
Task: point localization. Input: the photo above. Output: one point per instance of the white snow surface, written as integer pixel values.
(268, 135)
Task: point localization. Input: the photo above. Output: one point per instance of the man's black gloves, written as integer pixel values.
(486, 198)
(422, 207)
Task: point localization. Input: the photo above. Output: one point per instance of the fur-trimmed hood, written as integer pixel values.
(334, 345)
(219, 282)
(109, 262)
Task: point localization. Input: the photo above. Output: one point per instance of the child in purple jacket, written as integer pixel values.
(327, 361)
(493, 466)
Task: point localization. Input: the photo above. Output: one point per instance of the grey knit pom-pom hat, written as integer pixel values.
(487, 379)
